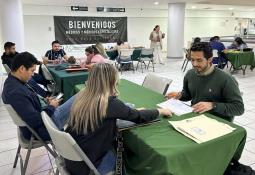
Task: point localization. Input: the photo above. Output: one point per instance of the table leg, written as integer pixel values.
(243, 69)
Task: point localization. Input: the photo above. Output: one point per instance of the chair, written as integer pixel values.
(7, 69)
(186, 60)
(136, 54)
(146, 55)
(217, 59)
(47, 75)
(24, 143)
(112, 54)
(3, 75)
(125, 58)
(157, 83)
(66, 147)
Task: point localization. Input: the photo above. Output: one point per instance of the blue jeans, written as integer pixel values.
(108, 163)
(62, 113)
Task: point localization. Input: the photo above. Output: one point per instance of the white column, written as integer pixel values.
(175, 31)
(12, 25)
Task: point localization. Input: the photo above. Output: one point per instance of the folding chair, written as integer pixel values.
(125, 58)
(186, 60)
(146, 55)
(47, 75)
(3, 75)
(7, 69)
(66, 147)
(34, 142)
(157, 83)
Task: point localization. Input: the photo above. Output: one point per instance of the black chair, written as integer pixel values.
(146, 55)
(186, 59)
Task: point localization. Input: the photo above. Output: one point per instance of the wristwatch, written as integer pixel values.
(214, 105)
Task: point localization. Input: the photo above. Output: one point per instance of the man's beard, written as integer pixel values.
(199, 70)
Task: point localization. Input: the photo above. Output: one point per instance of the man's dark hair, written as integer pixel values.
(55, 42)
(197, 40)
(204, 47)
(119, 42)
(216, 38)
(211, 39)
(25, 59)
(8, 45)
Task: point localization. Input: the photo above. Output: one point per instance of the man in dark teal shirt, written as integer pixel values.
(213, 90)
(209, 88)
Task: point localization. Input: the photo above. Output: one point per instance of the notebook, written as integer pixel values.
(202, 128)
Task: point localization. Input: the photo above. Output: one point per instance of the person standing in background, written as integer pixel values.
(156, 37)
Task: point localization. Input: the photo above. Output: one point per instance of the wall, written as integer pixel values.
(39, 28)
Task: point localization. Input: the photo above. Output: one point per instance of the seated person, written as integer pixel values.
(94, 129)
(9, 53)
(121, 45)
(212, 90)
(238, 44)
(25, 101)
(55, 53)
(93, 56)
(8, 57)
(196, 40)
(219, 46)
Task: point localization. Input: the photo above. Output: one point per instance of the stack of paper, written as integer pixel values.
(176, 106)
(202, 128)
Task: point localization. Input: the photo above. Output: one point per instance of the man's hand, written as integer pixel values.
(54, 102)
(175, 95)
(202, 107)
(48, 99)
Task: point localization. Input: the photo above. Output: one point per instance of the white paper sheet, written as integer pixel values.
(176, 106)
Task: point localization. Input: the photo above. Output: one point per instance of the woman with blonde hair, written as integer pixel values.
(92, 121)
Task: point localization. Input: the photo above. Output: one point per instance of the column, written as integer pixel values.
(175, 31)
(12, 25)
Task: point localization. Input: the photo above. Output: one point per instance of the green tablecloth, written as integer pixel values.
(237, 59)
(66, 81)
(159, 149)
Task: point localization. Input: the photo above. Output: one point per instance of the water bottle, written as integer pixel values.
(59, 58)
(241, 48)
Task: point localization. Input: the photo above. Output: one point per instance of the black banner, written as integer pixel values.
(89, 30)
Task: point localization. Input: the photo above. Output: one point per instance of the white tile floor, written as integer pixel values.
(41, 164)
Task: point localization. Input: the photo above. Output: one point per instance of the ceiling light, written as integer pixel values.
(156, 3)
(193, 7)
(231, 8)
